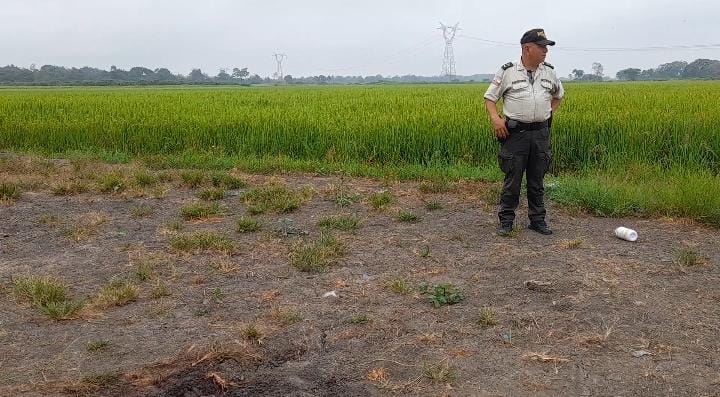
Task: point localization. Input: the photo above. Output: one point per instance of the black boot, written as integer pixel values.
(540, 227)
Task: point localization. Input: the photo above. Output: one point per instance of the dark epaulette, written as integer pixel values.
(507, 66)
(549, 65)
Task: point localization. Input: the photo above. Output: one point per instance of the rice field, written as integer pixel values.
(619, 148)
(599, 126)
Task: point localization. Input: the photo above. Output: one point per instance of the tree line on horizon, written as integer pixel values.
(59, 75)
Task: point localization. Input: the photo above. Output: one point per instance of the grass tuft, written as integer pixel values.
(211, 194)
(117, 292)
(381, 200)
(487, 317)
(344, 223)
(227, 181)
(113, 182)
(9, 191)
(48, 296)
(247, 225)
(408, 216)
(202, 241)
(201, 211)
(317, 256)
(277, 199)
(442, 294)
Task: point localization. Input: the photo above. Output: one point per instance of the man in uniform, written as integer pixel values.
(531, 93)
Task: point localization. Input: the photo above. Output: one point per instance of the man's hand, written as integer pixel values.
(499, 128)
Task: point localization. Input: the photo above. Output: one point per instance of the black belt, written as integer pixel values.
(527, 126)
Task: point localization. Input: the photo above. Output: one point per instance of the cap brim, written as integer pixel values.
(545, 42)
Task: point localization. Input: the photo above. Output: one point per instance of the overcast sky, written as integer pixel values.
(349, 37)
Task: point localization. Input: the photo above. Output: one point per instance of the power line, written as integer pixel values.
(605, 49)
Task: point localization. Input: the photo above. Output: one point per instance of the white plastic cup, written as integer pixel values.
(626, 234)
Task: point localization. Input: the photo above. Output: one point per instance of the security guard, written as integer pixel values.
(531, 93)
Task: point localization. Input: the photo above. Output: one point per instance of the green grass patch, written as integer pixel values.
(113, 182)
(211, 194)
(408, 216)
(145, 179)
(202, 241)
(48, 296)
(247, 225)
(436, 186)
(70, 189)
(399, 286)
(98, 345)
(688, 258)
(433, 205)
(344, 223)
(380, 200)
(278, 199)
(193, 178)
(201, 211)
(227, 181)
(141, 211)
(317, 256)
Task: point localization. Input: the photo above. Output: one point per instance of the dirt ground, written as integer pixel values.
(577, 313)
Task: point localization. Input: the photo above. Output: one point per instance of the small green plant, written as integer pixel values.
(211, 194)
(117, 292)
(317, 256)
(487, 317)
(202, 241)
(380, 200)
(201, 211)
(442, 294)
(359, 319)
(145, 179)
(113, 182)
(216, 295)
(399, 286)
(435, 186)
(175, 225)
(687, 258)
(433, 205)
(344, 223)
(192, 179)
(408, 216)
(98, 345)
(440, 373)
(141, 211)
(247, 225)
(425, 251)
(9, 191)
(277, 199)
(227, 181)
(48, 296)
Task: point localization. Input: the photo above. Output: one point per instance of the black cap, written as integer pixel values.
(536, 36)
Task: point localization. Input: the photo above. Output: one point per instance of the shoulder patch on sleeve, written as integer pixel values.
(549, 65)
(507, 66)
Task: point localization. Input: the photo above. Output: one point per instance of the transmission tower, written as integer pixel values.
(448, 68)
(279, 58)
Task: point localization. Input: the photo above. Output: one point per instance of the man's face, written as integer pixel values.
(535, 53)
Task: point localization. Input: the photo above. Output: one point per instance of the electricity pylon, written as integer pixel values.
(279, 58)
(448, 68)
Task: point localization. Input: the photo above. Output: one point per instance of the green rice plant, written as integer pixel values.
(344, 223)
(201, 211)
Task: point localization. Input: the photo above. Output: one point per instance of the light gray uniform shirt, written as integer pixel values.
(522, 100)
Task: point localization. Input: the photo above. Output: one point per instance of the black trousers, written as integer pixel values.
(524, 152)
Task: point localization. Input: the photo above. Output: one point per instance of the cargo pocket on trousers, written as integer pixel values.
(506, 161)
(547, 160)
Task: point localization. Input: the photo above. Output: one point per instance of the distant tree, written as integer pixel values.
(598, 69)
(240, 73)
(196, 75)
(702, 69)
(288, 78)
(671, 70)
(578, 74)
(163, 74)
(630, 74)
(223, 76)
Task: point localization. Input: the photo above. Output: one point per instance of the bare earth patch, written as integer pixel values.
(576, 313)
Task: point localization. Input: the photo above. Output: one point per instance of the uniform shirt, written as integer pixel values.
(523, 101)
